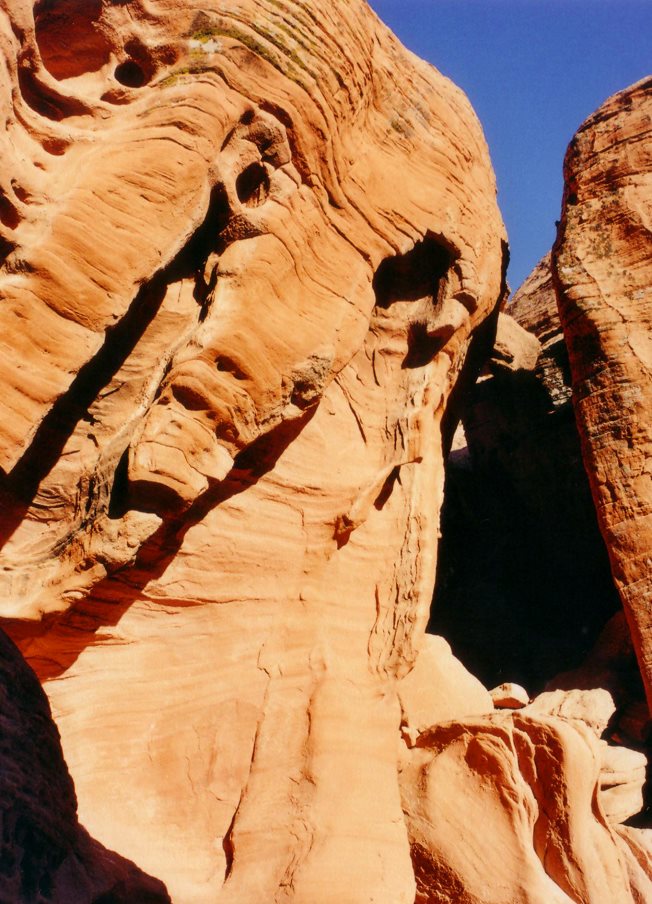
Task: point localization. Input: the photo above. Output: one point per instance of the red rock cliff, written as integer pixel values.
(602, 270)
(245, 253)
(249, 251)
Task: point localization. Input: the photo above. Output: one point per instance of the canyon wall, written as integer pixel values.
(252, 260)
(247, 250)
(602, 270)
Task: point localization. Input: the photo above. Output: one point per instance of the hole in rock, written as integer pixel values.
(418, 277)
(192, 399)
(424, 344)
(252, 185)
(229, 366)
(412, 276)
(119, 499)
(70, 37)
(130, 74)
(8, 213)
(6, 247)
(55, 146)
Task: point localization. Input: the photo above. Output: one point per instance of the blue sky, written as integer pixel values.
(533, 70)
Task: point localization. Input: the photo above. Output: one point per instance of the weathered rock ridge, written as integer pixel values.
(251, 259)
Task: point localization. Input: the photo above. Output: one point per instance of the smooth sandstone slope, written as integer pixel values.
(253, 245)
(602, 266)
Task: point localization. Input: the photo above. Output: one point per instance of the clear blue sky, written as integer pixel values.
(533, 70)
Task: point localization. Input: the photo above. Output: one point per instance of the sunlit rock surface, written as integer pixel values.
(45, 855)
(251, 252)
(602, 266)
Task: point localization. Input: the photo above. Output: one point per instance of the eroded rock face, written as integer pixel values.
(485, 828)
(250, 253)
(247, 250)
(603, 273)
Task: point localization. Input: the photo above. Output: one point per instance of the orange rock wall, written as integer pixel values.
(602, 271)
(250, 253)
(252, 248)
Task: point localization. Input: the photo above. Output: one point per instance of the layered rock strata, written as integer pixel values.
(602, 270)
(247, 251)
(251, 253)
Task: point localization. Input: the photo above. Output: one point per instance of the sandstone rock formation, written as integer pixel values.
(252, 256)
(45, 855)
(490, 780)
(509, 696)
(246, 252)
(602, 269)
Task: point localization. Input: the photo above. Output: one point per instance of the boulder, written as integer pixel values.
(439, 689)
(623, 774)
(509, 696)
(595, 708)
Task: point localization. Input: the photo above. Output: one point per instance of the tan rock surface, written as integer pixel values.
(594, 708)
(254, 246)
(623, 770)
(249, 251)
(534, 307)
(602, 267)
(439, 688)
(486, 829)
(515, 348)
(623, 774)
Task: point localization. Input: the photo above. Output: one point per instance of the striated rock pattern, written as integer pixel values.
(486, 826)
(247, 248)
(603, 272)
(251, 259)
(534, 307)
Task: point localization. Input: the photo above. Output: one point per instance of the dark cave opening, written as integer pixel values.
(524, 585)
